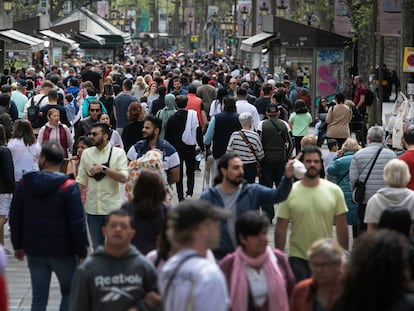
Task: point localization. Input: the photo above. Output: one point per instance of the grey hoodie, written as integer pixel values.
(388, 197)
(107, 283)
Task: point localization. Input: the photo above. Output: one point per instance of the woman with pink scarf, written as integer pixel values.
(259, 278)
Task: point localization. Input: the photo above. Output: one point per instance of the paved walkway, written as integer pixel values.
(18, 274)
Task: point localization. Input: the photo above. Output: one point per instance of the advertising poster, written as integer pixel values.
(329, 72)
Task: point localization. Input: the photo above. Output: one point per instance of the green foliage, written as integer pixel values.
(359, 13)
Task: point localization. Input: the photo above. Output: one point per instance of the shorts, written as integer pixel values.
(5, 201)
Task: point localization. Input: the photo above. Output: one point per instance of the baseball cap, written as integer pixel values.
(272, 108)
(192, 212)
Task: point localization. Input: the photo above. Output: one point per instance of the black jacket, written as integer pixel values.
(6, 171)
(175, 129)
(226, 123)
(47, 217)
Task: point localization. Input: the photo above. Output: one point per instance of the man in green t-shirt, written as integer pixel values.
(314, 205)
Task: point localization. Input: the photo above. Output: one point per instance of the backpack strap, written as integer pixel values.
(66, 184)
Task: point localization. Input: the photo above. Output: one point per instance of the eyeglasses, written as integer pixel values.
(232, 82)
(93, 134)
(94, 110)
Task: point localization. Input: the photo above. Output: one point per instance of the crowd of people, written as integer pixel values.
(89, 159)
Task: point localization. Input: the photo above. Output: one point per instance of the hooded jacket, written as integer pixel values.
(47, 217)
(388, 197)
(107, 283)
(251, 197)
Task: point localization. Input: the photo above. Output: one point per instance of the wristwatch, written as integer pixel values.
(104, 169)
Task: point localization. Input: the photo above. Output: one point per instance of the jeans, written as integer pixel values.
(300, 268)
(187, 157)
(40, 273)
(272, 173)
(95, 224)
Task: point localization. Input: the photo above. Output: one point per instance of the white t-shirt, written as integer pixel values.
(25, 158)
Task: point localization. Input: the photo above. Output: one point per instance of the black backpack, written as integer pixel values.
(369, 98)
(33, 112)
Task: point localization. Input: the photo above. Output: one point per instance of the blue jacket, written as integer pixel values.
(47, 217)
(251, 197)
(339, 169)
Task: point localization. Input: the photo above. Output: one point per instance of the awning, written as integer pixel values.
(92, 37)
(35, 44)
(248, 44)
(53, 35)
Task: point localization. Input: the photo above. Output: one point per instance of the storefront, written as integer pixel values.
(319, 56)
(98, 38)
(21, 50)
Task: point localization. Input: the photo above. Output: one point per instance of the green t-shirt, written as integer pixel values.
(311, 212)
(300, 123)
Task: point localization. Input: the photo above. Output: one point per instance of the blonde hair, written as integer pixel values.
(396, 173)
(349, 103)
(327, 247)
(350, 144)
(308, 140)
(52, 111)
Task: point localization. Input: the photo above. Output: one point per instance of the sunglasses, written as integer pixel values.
(94, 110)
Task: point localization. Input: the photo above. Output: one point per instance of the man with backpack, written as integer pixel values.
(277, 145)
(300, 91)
(32, 109)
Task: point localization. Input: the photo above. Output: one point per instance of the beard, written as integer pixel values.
(312, 173)
(149, 136)
(235, 181)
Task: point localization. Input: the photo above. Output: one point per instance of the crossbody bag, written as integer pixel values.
(258, 167)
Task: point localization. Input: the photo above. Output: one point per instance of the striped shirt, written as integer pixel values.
(239, 146)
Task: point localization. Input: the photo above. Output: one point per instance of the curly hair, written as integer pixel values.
(149, 193)
(377, 273)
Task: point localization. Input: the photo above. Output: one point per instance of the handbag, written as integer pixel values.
(100, 175)
(258, 167)
(358, 194)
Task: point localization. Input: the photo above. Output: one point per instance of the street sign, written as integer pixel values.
(194, 39)
(408, 63)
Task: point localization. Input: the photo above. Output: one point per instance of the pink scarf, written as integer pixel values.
(239, 284)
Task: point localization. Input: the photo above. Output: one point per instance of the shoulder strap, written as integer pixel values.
(372, 165)
(110, 155)
(40, 100)
(278, 130)
(249, 145)
(66, 184)
(174, 273)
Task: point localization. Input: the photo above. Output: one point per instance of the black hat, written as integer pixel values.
(192, 212)
(272, 108)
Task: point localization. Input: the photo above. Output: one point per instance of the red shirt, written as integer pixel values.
(362, 90)
(194, 103)
(408, 157)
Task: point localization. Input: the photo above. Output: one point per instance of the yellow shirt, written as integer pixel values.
(311, 212)
(103, 196)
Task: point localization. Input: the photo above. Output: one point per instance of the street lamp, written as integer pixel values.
(8, 5)
(281, 8)
(114, 14)
(190, 21)
(244, 12)
(214, 31)
(308, 12)
(264, 9)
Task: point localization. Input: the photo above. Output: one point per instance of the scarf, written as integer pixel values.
(239, 284)
(63, 138)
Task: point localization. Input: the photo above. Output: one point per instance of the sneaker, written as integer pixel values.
(188, 197)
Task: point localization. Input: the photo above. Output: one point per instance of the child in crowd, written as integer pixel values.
(70, 107)
(332, 154)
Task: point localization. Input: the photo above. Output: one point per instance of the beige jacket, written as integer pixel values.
(338, 119)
